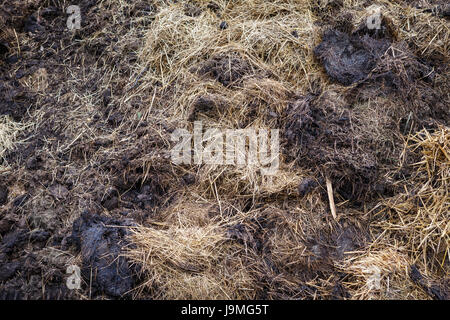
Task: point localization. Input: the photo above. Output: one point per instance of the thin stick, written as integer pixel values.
(331, 198)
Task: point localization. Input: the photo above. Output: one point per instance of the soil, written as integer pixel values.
(34, 233)
(439, 291)
(100, 240)
(323, 132)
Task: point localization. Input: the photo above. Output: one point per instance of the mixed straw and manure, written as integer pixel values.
(372, 135)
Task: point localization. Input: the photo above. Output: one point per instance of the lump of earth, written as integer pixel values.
(306, 186)
(7, 270)
(349, 58)
(101, 240)
(13, 240)
(47, 219)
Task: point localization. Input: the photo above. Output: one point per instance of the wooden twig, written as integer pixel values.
(331, 198)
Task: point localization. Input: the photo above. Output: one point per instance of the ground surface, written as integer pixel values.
(85, 139)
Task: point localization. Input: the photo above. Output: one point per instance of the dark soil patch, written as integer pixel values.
(30, 230)
(22, 279)
(101, 241)
(8, 270)
(306, 186)
(229, 69)
(349, 59)
(207, 105)
(15, 99)
(323, 138)
(23, 270)
(3, 195)
(3, 48)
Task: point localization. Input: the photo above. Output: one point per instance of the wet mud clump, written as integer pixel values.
(373, 57)
(22, 272)
(349, 58)
(101, 240)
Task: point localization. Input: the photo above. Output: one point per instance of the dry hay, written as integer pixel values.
(225, 232)
(10, 131)
(189, 256)
(380, 274)
(419, 215)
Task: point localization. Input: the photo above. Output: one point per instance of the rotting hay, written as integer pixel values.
(380, 274)
(87, 128)
(419, 216)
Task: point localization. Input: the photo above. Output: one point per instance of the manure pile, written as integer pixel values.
(358, 208)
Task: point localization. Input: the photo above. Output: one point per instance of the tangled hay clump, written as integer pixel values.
(189, 258)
